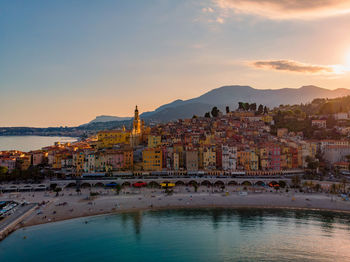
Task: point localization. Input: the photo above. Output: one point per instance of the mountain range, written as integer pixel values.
(231, 95)
(220, 97)
(104, 118)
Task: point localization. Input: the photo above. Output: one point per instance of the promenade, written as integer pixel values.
(9, 223)
(70, 204)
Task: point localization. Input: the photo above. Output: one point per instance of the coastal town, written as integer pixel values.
(196, 162)
(238, 142)
(171, 131)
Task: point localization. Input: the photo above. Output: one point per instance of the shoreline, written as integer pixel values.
(69, 205)
(288, 208)
(291, 206)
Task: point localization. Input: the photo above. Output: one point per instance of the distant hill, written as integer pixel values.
(103, 118)
(220, 97)
(225, 96)
(231, 95)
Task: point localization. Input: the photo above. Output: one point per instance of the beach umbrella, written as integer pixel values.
(112, 184)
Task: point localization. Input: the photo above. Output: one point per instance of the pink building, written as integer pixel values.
(38, 157)
(8, 162)
(274, 157)
(116, 160)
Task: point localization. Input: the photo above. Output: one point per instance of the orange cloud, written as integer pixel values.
(292, 66)
(287, 9)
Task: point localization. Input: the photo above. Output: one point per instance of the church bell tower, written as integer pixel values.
(136, 126)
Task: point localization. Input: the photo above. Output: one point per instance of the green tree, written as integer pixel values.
(207, 115)
(246, 106)
(282, 184)
(312, 163)
(215, 111)
(252, 107)
(334, 189)
(240, 106)
(344, 181)
(317, 187)
(57, 190)
(296, 181)
(3, 170)
(331, 122)
(195, 187)
(118, 188)
(328, 108)
(260, 109)
(266, 111)
(227, 109)
(297, 112)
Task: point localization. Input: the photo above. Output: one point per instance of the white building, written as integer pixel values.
(340, 116)
(90, 163)
(229, 158)
(336, 153)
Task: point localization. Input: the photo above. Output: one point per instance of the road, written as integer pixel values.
(17, 214)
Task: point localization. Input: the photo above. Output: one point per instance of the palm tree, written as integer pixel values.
(334, 190)
(344, 181)
(118, 188)
(57, 190)
(317, 187)
(296, 181)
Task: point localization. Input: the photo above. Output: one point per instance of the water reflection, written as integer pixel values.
(247, 219)
(136, 221)
(188, 235)
(327, 223)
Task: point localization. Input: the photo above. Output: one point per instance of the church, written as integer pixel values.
(137, 129)
(109, 138)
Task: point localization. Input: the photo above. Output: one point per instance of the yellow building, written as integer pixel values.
(110, 138)
(152, 159)
(209, 139)
(176, 161)
(267, 118)
(78, 161)
(209, 158)
(154, 141)
(286, 157)
(264, 159)
(244, 159)
(57, 163)
(254, 161)
(24, 162)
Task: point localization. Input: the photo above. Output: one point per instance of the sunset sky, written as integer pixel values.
(65, 62)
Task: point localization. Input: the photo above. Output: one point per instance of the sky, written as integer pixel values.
(62, 63)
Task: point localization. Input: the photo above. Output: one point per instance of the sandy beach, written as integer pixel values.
(69, 204)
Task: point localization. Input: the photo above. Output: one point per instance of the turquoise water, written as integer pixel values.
(27, 143)
(187, 235)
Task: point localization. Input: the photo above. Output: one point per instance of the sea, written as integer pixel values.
(28, 143)
(187, 235)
